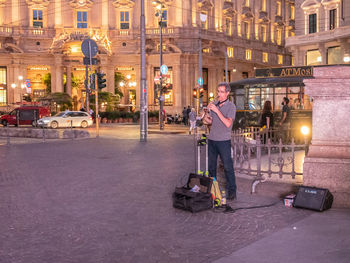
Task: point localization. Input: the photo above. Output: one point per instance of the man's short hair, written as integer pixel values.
(226, 85)
(286, 100)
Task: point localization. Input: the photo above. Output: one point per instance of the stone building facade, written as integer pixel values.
(322, 34)
(40, 40)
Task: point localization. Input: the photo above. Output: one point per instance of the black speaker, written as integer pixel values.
(313, 198)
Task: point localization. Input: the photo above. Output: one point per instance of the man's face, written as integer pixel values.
(222, 93)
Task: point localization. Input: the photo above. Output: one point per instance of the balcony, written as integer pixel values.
(263, 17)
(315, 38)
(279, 20)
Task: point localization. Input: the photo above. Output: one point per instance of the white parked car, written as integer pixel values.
(66, 119)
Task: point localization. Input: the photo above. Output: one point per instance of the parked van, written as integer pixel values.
(27, 115)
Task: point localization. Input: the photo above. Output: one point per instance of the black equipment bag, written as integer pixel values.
(185, 199)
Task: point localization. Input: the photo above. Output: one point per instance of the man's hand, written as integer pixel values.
(213, 108)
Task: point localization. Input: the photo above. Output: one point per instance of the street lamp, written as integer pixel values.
(159, 13)
(203, 18)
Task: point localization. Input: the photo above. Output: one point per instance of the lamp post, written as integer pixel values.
(143, 86)
(159, 14)
(203, 18)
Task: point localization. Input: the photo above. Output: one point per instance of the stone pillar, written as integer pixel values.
(178, 86)
(138, 84)
(327, 164)
(69, 81)
(59, 74)
(58, 14)
(110, 79)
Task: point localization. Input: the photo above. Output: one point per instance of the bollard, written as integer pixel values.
(71, 129)
(7, 134)
(43, 134)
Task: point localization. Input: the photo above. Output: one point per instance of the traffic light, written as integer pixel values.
(92, 82)
(195, 92)
(201, 92)
(101, 80)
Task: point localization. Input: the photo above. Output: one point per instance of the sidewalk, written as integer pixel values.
(321, 237)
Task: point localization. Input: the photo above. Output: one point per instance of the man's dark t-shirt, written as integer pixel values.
(287, 110)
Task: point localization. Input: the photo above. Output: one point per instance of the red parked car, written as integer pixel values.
(27, 115)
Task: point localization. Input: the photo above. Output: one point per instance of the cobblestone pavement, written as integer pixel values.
(109, 200)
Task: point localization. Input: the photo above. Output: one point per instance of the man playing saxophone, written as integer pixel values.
(222, 115)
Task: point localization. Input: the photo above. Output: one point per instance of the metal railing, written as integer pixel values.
(262, 154)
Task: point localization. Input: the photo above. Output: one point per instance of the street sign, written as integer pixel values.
(89, 48)
(200, 81)
(164, 69)
(86, 61)
(28, 84)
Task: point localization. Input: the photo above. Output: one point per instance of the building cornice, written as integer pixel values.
(81, 4)
(124, 3)
(38, 3)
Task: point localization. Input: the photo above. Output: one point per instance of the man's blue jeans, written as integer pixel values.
(222, 148)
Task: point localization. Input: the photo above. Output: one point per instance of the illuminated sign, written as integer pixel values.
(284, 72)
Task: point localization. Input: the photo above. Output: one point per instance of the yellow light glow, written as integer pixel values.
(128, 76)
(211, 94)
(75, 49)
(305, 130)
(121, 84)
(20, 77)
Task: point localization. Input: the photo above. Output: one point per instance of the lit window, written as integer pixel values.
(246, 29)
(230, 52)
(312, 23)
(279, 36)
(265, 57)
(228, 29)
(248, 54)
(278, 11)
(164, 18)
(124, 20)
(246, 3)
(292, 12)
(164, 47)
(280, 59)
(37, 18)
(263, 5)
(263, 33)
(205, 50)
(332, 18)
(81, 19)
(205, 23)
(293, 61)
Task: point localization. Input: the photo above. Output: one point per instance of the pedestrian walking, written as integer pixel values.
(223, 113)
(188, 113)
(192, 117)
(184, 116)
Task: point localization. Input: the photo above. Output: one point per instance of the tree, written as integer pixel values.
(47, 81)
(105, 97)
(61, 99)
(118, 77)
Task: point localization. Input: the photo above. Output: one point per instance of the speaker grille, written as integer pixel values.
(313, 198)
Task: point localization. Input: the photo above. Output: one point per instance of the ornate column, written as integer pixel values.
(138, 78)
(69, 81)
(178, 86)
(15, 16)
(327, 164)
(110, 79)
(58, 14)
(59, 74)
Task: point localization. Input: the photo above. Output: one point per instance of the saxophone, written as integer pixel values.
(205, 116)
